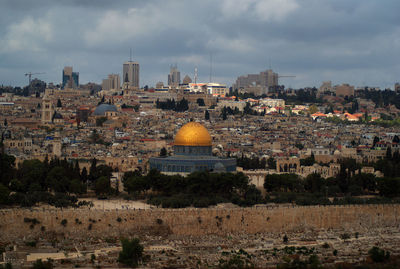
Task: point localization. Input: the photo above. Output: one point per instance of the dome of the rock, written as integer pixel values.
(193, 134)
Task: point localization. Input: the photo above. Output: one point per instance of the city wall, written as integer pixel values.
(85, 223)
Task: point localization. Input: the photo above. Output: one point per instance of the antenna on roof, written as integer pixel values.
(210, 66)
(195, 74)
(130, 54)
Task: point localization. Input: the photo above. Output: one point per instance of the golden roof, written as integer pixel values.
(192, 134)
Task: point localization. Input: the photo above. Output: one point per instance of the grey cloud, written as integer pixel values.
(344, 41)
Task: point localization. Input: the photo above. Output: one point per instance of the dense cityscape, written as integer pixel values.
(183, 171)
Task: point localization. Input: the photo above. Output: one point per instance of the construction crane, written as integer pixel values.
(286, 76)
(30, 76)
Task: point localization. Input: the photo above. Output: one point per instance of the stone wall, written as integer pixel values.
(195, 222)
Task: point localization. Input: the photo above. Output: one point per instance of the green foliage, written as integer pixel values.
(389, 187)
(296, 262)
(200, 102)
(283, 182)
(236, 260)
(100, 121)
(163, 152)
(4, 195)
(64, 222)
(102, 186)
(39, 264)
(170, 104)
(6, 266)
(200, 189)
(7, 168)
(207, 115)
(31, 243)
(271, 162)
(345, 236)
(378, 255)
(299, 146)
(251, 163)
(309, 161)
(132, 252)
(51, 182)
(285, 239)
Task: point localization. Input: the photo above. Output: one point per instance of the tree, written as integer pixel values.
(132, 252)
(299, 146)
(200, 102)
(285, 239)
(224, 116)
(313, 109)
(100, 121)
(314, 183)
(102, 186)
(59, 103)
(58, 180)
(4, 194)
(39, 264)
(207, 115)
(271, 162)
(163, 152)
(378, 255)
(136, 184)
(376, 140)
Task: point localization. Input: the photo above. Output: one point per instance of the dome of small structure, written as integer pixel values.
(193, 134)
(103, 108)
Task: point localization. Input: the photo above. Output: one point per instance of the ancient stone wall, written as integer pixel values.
(83, 223)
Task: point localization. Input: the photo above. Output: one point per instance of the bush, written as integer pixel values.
(39, 264)
(64, 222)
(31, 243)
(345, 236)
(285, 239)
(132, 252)
(378, 255)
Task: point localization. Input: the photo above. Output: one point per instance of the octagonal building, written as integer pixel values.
(192, 152)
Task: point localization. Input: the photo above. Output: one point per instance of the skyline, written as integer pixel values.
(353, 43)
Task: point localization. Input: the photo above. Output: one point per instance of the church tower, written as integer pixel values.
(47, 110)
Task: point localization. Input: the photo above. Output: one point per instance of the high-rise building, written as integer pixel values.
(113, 82)
(266, 79)
(186, 80)
(130, 74)
(397, 87)
(70, 79)
(174, 77)
(344, 90)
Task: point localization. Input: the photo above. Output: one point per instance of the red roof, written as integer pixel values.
(147, 140)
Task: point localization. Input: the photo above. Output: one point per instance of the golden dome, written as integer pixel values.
(192, 134)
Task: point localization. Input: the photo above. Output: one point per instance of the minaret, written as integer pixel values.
(57, 145)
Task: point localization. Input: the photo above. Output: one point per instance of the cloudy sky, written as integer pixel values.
(345, 41)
